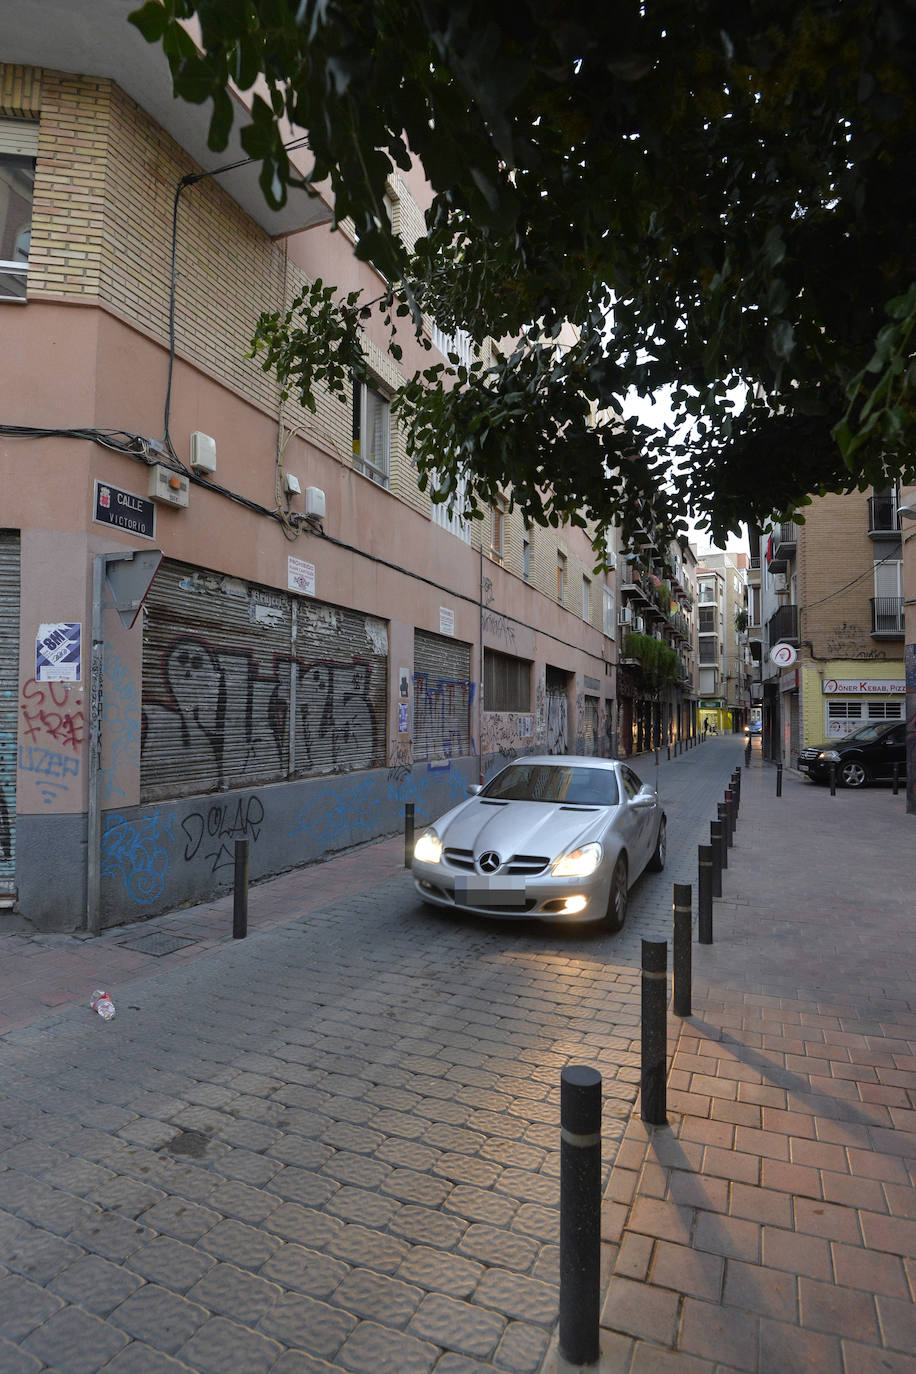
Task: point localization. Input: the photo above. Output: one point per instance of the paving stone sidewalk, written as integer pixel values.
(770, 1227)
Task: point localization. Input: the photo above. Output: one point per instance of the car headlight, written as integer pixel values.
(428, 848)
(829, 756)
(578, 863)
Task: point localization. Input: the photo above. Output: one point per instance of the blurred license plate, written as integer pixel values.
(482, 891)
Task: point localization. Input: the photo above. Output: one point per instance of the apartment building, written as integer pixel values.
(723, 641)
(223, 617)
(657, 672)
(830, 624)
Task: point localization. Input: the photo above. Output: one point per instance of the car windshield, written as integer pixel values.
(543, 782)
(867, 733)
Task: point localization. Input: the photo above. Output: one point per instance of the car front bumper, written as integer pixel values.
(540, 898)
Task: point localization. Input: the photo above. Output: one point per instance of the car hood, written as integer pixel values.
(521, 827)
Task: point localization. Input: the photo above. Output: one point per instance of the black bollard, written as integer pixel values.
(580, 1212)
(723, 822)
(408, 833)
(731, 803)
(833, 780)
(669, 753)
(747, 754)
(896, 778)
(704, 893)
(722, 813)
(240, 892)
(652, 1083)
(682, 907)
(779, 779)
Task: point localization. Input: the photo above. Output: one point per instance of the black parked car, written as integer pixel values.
(868, 753)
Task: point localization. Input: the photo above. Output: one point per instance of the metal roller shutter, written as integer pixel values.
(442, 697)
(9, 695)
(220, 690)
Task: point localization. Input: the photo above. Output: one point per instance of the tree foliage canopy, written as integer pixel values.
(718, 196)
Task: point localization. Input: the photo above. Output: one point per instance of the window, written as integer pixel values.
(707, 620)
(586, 598)
(561, 576)
(885, 710)
(506, 682)
(706, 592)
(526, 558)
(448, 515)
(370, 433)
(498, 531)
(609, 625)
(18, 147)
(709, 650)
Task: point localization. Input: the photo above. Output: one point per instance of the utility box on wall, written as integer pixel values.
(168, 485)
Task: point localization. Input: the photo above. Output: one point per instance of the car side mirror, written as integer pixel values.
(474, 789)
(643, 800)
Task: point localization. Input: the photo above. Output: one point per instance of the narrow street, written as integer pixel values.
(334, 1145)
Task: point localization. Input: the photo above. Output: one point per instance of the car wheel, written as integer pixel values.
(657, 862)
(853, 774)
(617, 901)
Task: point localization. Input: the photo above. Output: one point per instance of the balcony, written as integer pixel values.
(887, 617)
(784, 542)
(882, 516)
(782, 628)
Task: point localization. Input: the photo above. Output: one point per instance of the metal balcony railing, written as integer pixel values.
(782, 628)
(887, 617)
(785, 541)
(882, 515)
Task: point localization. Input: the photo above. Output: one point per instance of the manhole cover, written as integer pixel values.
(158, 943)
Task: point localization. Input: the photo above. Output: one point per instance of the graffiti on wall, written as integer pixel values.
(48, 715)
(49, 769)
(845, 641)
(7, 752)
(442, 712)
(557, 714)
(232, 719)
(333, 812)
(122, 716)
(135, 852)
(212, 831)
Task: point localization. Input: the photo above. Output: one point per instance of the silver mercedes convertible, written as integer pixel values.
(553, 837)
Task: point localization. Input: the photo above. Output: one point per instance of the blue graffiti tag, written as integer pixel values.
(133, 852)
(332, 812)
(122, 722)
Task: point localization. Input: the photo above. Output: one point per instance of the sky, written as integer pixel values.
(657, 414)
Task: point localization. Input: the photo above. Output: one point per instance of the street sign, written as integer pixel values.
(783, 655)
(130, 579)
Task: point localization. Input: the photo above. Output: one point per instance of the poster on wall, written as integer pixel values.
(403, 682)
(300, 576)
(446, 620)
(403, 717)
(58, 652)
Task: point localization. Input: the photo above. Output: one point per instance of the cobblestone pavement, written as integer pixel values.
(333, 1145)
(770, 1227)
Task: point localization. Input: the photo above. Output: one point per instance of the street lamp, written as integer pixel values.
(907, 512)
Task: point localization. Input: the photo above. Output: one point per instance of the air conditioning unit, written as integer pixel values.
(780, 582)
(625, 615)
(640, 625)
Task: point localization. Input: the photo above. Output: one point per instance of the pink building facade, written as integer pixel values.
(319, 645)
